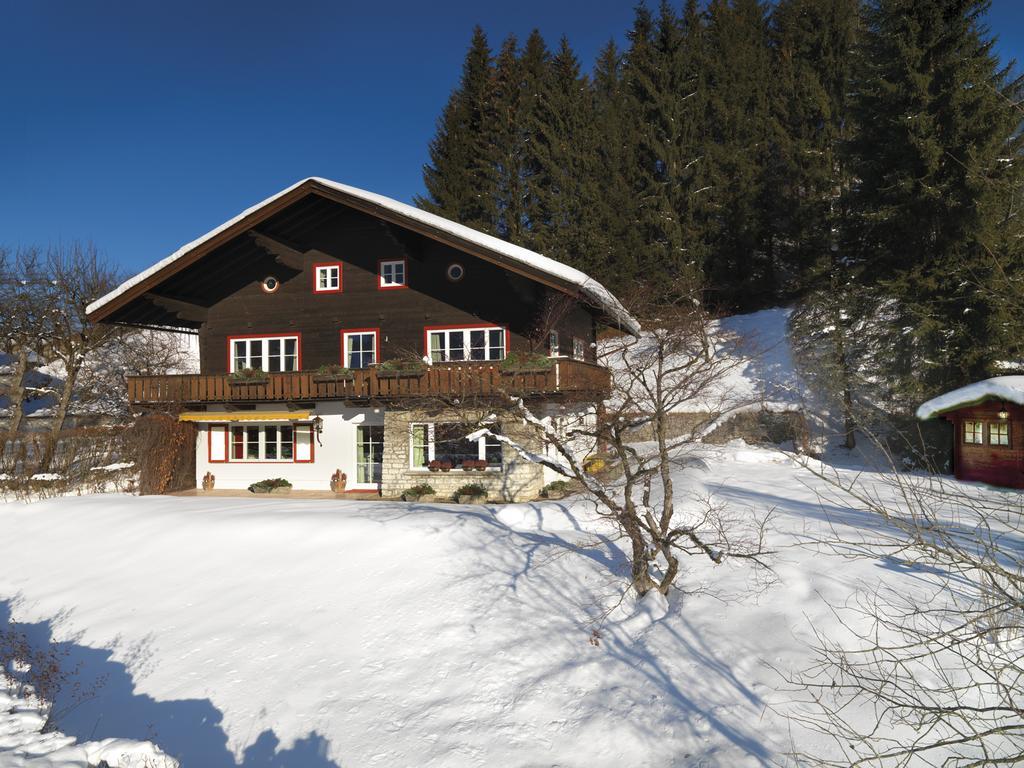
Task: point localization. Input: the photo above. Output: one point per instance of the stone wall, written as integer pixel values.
(522, 480)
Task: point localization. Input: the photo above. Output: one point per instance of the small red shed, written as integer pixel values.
(988, 429)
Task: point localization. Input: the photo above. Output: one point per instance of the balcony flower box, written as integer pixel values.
(248, 376)
(396, 369)
(525, 362)
(326, 373)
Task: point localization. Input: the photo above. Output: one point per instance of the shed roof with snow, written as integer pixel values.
(1009, 389)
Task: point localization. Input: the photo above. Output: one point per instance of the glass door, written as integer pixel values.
(369, 455)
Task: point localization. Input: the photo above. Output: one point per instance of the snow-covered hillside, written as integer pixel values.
(300, 633)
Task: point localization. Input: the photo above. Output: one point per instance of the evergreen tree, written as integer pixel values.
(741, 268)
(933, 133)
(461, 178)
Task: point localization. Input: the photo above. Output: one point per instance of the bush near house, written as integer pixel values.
(269, 486)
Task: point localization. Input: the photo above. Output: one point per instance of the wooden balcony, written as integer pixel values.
(573, 379)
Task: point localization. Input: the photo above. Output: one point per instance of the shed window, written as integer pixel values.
(998, 433)
(974, 432)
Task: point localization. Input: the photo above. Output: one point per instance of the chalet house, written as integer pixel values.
(345, 333)
(988, 429)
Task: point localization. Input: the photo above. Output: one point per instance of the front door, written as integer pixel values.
(369, 455)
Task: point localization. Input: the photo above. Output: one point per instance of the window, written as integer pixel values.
(359, 347)
(265, 353)
(998, 433)
(973, 431)
(446, 345)
(392, 274)
(455, 272)
(263, 442)
(326, 278)
(369, 454)
(578, 348)
(553, 344)
(270, 284)
(447, 442)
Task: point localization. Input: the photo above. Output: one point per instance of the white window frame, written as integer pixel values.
(448, 333)
(432, 445)
(1003, 426)
(978, 432)
(579, 348)
(553, 347)
(386, 281)
(345, 351)
(332, 274)
(265, 356)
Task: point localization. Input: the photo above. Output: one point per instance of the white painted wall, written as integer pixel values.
(337, 451)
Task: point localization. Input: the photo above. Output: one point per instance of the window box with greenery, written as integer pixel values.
(471, 493)
(526, 362)
(249, 376)
(400, 368)
(277, 485)
(422, 492)
(333, 372)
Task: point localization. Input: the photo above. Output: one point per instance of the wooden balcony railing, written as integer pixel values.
(566, 377)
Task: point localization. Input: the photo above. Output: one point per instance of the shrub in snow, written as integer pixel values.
(420, 492)
(555, 490)
(274, 485)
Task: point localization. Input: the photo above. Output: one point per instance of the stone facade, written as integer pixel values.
(521, 480)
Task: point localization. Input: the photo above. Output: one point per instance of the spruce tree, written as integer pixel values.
(933, 133)
(461, 177)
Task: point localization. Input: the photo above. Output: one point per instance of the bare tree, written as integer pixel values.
(671, 367)
(932, 676)
(25, 295)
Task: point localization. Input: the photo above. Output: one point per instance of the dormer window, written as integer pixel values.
(327, 278)
(392, 274)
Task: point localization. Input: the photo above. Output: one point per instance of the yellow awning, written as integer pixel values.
(217, 416)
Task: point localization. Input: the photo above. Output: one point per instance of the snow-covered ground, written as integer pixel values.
(299, 633)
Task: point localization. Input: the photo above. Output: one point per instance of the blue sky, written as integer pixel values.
(141, 125)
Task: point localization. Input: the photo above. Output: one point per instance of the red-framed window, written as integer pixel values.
(392, 274)
(454, 343)
(274, 353)
(360, 347)
(270, 443)
(327, 277)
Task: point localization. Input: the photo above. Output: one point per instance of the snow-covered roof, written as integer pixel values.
(589, 289)
(1007, 388)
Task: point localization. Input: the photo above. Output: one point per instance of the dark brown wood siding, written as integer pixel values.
(487, 294)
(998, 465)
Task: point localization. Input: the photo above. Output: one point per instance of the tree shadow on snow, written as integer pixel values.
(99, 701)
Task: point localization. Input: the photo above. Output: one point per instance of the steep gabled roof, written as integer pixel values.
(487, 247)
(1007, 388)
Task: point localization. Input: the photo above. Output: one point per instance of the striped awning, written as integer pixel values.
(220, 416)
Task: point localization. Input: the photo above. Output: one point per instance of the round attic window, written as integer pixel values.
(456, 272)
(270, 284)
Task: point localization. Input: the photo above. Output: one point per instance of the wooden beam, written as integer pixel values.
(184, 310)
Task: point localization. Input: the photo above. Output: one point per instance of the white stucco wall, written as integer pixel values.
(336, 451)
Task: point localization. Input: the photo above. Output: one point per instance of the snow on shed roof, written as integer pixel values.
(589, 289)
(1008, 388)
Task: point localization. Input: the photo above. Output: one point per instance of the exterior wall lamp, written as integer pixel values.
(1003, 413)
(318, 428)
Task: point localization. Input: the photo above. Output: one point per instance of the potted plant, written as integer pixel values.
(248, 376)
(478, 464)
(439, 466)
(401, 367)
(558, 489)
(526, 362)
(333, 372)
(422, 492)
(471, 493)
(277, 485)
